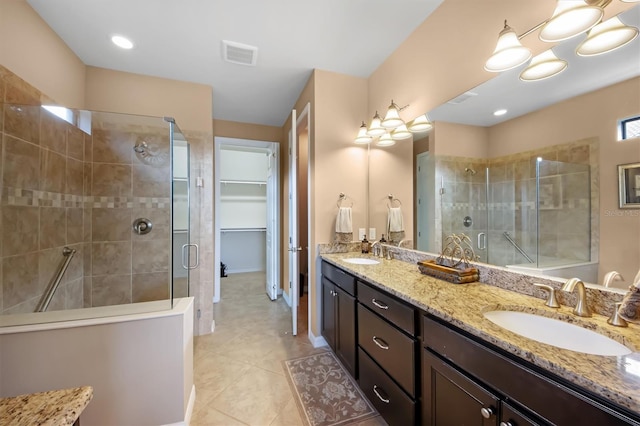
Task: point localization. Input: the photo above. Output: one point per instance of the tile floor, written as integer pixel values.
(238, 370)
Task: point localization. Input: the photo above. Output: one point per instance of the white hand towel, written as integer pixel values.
(394, 220)
(343, 220)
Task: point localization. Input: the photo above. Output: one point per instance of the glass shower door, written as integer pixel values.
(181, 263)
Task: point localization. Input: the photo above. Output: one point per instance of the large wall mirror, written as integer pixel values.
(535, 189)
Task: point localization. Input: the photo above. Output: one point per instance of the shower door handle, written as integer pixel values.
(185, 250)
(482, 241)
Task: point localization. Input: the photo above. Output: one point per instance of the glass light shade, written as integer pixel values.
(386, 140)
(400, 133)
(607, 36)
(571, 17)
(543, 66)
(122, 42)
(509, 52)
(375, 128)
(420, 124)
(392, 118)
(363, 138)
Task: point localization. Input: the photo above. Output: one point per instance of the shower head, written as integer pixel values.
(140, 147)
(150, 153)
(469, 170)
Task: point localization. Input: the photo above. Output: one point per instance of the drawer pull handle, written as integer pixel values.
(379, 304)
(381, 343)
(375, 390)
(486, 412)
(506, 424)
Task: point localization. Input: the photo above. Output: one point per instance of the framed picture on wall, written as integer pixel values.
(629, 185)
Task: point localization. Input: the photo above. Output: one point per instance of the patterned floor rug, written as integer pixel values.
(325, 393)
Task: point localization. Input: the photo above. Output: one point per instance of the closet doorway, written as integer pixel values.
(246, 212)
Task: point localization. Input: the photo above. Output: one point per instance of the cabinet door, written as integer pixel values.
(511, 416)
(329, 312)
(346, 330)
(451, 399)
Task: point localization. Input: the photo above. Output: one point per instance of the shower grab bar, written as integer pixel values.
(55, 282)
(508, 237)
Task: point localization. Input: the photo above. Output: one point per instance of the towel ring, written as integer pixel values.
(341, 198)
(393, 200)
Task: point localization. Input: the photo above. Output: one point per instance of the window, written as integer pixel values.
(629, 128)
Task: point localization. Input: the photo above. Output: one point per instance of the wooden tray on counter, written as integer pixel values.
(447, 273)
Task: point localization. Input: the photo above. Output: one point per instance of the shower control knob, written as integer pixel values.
(142, 226)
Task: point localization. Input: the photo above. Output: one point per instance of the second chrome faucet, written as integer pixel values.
(582, 308)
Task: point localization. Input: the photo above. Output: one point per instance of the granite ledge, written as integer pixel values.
(52, 408)
(613, 378)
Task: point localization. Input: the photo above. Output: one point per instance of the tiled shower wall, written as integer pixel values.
(511, 206)
(62, 187)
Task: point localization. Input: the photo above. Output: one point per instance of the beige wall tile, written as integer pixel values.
(151, 286)
(161, 221)
(88, 148)
(111, 225)
(75, 178)
(151, 182)
(20, 279)
(53, 134)
(110, 180)
(86, 291)
(74, 225)
(150, 256)
(75, 270)
(111, 258)
(87, 214)
(86, 260)
(112, 146)
(74, 294)
(23, 122)
(21, 164)
(19, 225)
(53, 227)
(75, 143)
(87, 179)
(111, 290)
(48, 264)
(52, 171)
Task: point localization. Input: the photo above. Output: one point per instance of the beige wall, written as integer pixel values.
(592, 115)
(460, 140)
(30, 49)
(257, 132)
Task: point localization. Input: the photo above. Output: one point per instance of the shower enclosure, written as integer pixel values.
(90, 206)
(532, 215)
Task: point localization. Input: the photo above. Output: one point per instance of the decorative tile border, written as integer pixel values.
(33, 198)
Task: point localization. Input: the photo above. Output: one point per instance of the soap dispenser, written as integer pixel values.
(364, 245)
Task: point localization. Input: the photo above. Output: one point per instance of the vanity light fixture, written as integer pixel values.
(386, 140)
(400, 133)
(607, 36)
(122, 42)
(420, 124)
(363, 138)
(543, 66)
(509, 52)
(571, 17)
(392, 117)
(375, 128)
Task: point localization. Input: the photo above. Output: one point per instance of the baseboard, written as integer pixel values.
(243, 270)
(189, 411)
(286, 298)
(317, 341)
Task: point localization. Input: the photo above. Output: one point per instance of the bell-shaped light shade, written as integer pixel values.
(571, 17)
(607, 36)
(386, 140)
(392, 118)
(363, 138)
(375, 128)
(543, 66)
(420, 124)
(509, 52)
(400, 133)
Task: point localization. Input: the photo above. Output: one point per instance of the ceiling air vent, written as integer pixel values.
(238, 53)
(460, 99)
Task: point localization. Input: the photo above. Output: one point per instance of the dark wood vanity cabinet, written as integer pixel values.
(477, 380)
(339, 315)
(387, 355)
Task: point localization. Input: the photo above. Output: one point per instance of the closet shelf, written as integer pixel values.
(243, 182)
(243, 198)
(243, 230)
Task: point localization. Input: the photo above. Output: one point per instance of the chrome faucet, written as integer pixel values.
(611, 277)
(581, 309)
(400, 243)
(376, 248)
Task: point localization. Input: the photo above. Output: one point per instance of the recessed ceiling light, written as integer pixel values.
(122, 42)
(500, 112)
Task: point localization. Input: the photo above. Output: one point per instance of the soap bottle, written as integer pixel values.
(382, 240)
(364, 245)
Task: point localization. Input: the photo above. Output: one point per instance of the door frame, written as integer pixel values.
(219, 142)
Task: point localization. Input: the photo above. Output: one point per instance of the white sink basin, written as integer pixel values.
(557, 333)
(361, 261)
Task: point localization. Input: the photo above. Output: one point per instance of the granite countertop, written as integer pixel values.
(54, 408)
(616, 378)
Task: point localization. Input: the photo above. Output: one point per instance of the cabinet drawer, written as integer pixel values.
(386, 306)
(390, 347)
(340, 278)
(390, 401)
